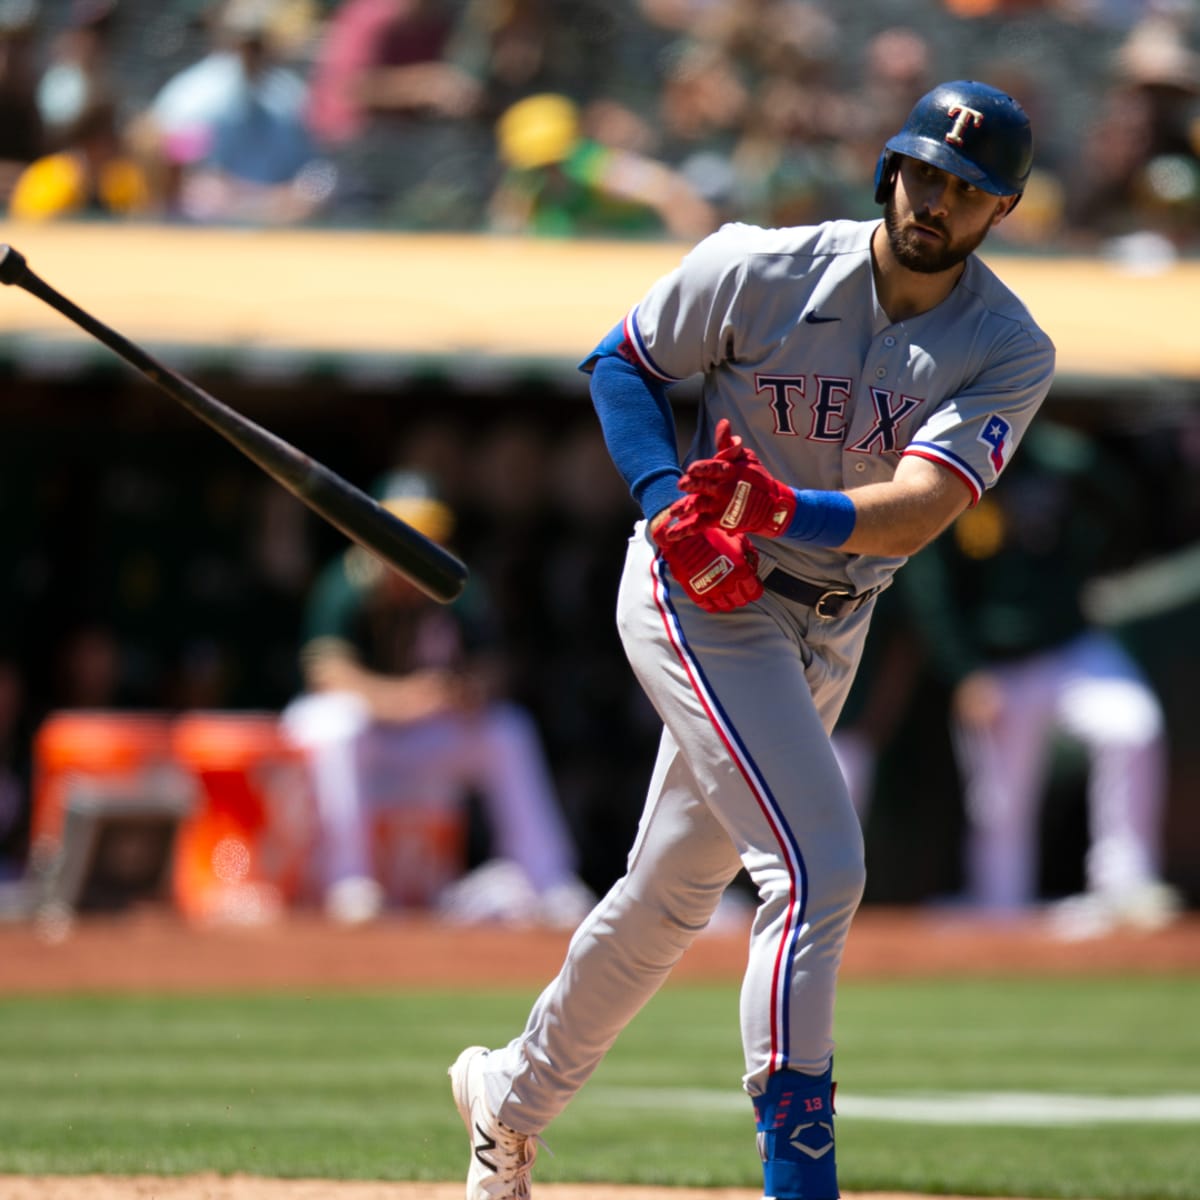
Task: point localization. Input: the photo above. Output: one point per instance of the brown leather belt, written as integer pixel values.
(826, 602)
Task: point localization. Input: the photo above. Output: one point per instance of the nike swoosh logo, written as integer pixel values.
(811, 318)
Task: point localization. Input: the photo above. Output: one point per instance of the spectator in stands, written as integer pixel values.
(21, 134)
(1138, 167)
(557, 182)
(799, 115)
(79, 73)
(406, 706)
(998, 604)
(398, 115)
(895, 72)
(777, 180)
(385, 58)
(229, 132)
(513, 48)
(92, 175)
(703, 100)
(971, 9)
(580, 48)
(702, 107)
(791, 50)
(680, 16)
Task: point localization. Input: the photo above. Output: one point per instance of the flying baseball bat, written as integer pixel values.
(432, 568)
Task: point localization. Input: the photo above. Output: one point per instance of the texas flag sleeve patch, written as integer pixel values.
(994, 435)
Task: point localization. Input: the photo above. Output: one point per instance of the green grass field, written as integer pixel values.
(354, 1087)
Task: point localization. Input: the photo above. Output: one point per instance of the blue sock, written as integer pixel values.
(794, 1118)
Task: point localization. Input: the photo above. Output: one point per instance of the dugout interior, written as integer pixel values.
(129, 528)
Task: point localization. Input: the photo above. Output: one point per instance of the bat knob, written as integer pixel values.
(12, 265)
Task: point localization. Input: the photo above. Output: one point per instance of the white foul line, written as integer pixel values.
(941, 1108)
(1022, 1108)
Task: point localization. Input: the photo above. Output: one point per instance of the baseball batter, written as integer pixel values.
(863, 384)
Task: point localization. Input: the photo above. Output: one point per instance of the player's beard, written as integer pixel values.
(921, 256)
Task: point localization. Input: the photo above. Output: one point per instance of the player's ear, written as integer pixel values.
(1006, 205)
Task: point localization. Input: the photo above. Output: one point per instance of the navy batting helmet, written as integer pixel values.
(971, 130)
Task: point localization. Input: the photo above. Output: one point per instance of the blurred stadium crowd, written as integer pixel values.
(629, 117)
(173, 580)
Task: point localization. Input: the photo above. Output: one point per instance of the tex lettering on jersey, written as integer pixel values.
(890, 410)
(828, 411)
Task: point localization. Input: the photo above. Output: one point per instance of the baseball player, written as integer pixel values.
(998, 602)
(863, 383)
(405, 709)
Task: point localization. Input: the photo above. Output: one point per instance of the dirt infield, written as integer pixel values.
(153, 950)
(214, 1187)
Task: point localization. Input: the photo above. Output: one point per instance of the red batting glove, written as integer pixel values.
(733, 491)
(715, 569)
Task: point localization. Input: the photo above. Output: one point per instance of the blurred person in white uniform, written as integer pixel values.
(998, 601)
(404, 705)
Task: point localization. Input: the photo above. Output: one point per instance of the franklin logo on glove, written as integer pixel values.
(737, 506)
(708, 579)
(717, 570)
(734, 490)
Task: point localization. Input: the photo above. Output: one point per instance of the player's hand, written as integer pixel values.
(715, 569)
(732, 491)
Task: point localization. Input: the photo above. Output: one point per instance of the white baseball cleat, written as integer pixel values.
(501, 1158)
(1145, 907)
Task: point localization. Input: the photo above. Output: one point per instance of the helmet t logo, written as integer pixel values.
(963, 116)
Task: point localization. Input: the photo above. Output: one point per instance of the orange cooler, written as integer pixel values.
(245, 854)
(125, 752)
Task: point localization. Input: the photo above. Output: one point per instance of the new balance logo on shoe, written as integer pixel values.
(501, 1158)
(483, 1146)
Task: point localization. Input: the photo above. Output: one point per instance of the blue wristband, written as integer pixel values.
(822, 518)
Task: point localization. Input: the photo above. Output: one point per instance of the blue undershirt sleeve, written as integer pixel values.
(639, 430)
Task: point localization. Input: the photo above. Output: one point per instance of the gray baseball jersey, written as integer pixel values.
(795, 350)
